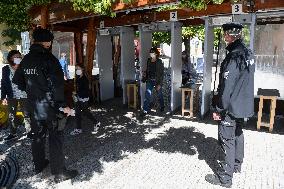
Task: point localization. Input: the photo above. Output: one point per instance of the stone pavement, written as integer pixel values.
(161, 151)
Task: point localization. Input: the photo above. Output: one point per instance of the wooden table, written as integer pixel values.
(132, 95)
(191, 92)
(273, 100)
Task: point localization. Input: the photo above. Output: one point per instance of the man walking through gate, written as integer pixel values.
(235, 103)
(153, 76)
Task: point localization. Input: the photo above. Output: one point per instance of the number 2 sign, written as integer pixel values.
(237, 8)
(173, 16)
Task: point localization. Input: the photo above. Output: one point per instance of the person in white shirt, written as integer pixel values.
(12, 96)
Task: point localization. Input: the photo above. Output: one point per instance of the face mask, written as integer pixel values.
(78, 72)
(153, 55)
(17, 60)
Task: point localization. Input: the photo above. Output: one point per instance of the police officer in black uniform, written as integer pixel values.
(235, 103)
(41, 76)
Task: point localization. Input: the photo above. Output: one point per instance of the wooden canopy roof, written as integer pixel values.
(62, 17)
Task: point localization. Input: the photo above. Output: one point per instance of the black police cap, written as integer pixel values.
(42, 35)
(232, 25)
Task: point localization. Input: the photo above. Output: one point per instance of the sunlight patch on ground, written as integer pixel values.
(149, 120)
(157, 132)
(99, 109)
(129, 115)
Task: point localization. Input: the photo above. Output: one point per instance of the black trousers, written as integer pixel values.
(81, 109)
(39, 129)
(231, 139)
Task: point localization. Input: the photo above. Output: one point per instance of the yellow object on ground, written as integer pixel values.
(3, 114)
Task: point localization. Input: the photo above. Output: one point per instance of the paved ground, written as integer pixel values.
(160, 152)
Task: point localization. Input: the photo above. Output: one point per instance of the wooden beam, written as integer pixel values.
(183, 14)
(63, 12)
(66, 28)
(78, 42)
(91, 42)
(193, 22)
(44, 16)
(269, 4)
(72, 50)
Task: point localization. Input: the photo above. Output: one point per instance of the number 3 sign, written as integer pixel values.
(173, 16)
(237, 8)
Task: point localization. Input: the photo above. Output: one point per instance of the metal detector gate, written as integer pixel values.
(145, 32)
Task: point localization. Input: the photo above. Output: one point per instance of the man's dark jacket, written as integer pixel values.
(159, 71)
(40, 75)
(6, 86)
(236, 87)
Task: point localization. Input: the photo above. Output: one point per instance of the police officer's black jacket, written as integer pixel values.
(41, 76)
(236, 84)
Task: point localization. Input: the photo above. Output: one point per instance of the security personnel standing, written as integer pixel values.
(41, 76)
(235, 103)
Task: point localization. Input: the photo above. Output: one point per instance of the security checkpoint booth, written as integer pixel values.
(145, 32)
(105, 61)
(127, 69)
(104, 56)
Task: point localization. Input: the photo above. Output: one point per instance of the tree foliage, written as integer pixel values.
(187, 32)
(14, 14)
(102, 7)
(13, 36)
(198, 4)
(161, 37)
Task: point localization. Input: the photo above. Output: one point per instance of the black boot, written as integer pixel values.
(237, 169)
(45, 164)
(237, 166)
(143, 114)
(65, 175)
(11, 137)
(214, 179)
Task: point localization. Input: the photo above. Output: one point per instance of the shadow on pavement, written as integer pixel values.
(187, 141)
(122, 133)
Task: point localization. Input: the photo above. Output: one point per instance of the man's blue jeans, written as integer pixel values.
(148, 94)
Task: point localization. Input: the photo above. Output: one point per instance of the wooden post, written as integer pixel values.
(260, 106)
(44, 16)
(91, 42)
(71, 57)
(78, 41)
